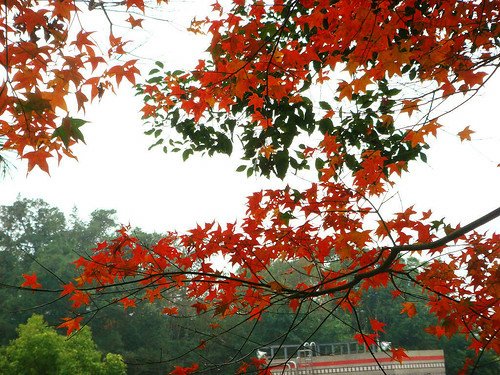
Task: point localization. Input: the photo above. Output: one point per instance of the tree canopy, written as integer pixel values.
(40, 350)
(393, 69)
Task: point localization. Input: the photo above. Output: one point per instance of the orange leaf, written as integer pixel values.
(344, 90)
(409, 308)
(135, 22)
(170, 311)
(81, 99)
(276, 286)
(267, 151)
(409, 106)
(153, 294)
(465, 134)
(430, 128)
(38, 158)
(138, 3)
(359, 85)
(415, 137)
(127, 70)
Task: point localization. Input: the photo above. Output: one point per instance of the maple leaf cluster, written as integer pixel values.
(323, 225)
(50, 71)
(256, 88)
(265, 57)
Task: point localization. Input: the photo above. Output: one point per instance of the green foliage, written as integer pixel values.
(40, 350)
(357, 126)
(37, 238)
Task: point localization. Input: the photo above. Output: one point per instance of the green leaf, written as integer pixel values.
(289, 134)
(241, 168)
(281, 161)
(33, 103)
(325, 126)
(286, 216)
(325, 105)
(224, 144)
(175, 117)
(351, 162)
(158, 142)
(70, 129)
(319, 164)
(186, 154)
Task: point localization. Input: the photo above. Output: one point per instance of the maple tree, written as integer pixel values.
(392, 67)
(52, 69)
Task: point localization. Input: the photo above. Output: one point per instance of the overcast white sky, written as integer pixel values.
(160, 192)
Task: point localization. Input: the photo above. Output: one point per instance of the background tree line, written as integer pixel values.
(36, 237)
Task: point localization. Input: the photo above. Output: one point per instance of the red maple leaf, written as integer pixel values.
(200, 307)
(30, 281)
(399, 354)
(79, 298)
(68, 289)
(153, 294)
(377, 326)
(294, 304)
(409, 106)
(476, 345)
(437, 331)
(179, 370)
(367, 340)
(395, 293)
(258, 362)
(202, 345)
(71, 324)
(127, 302)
